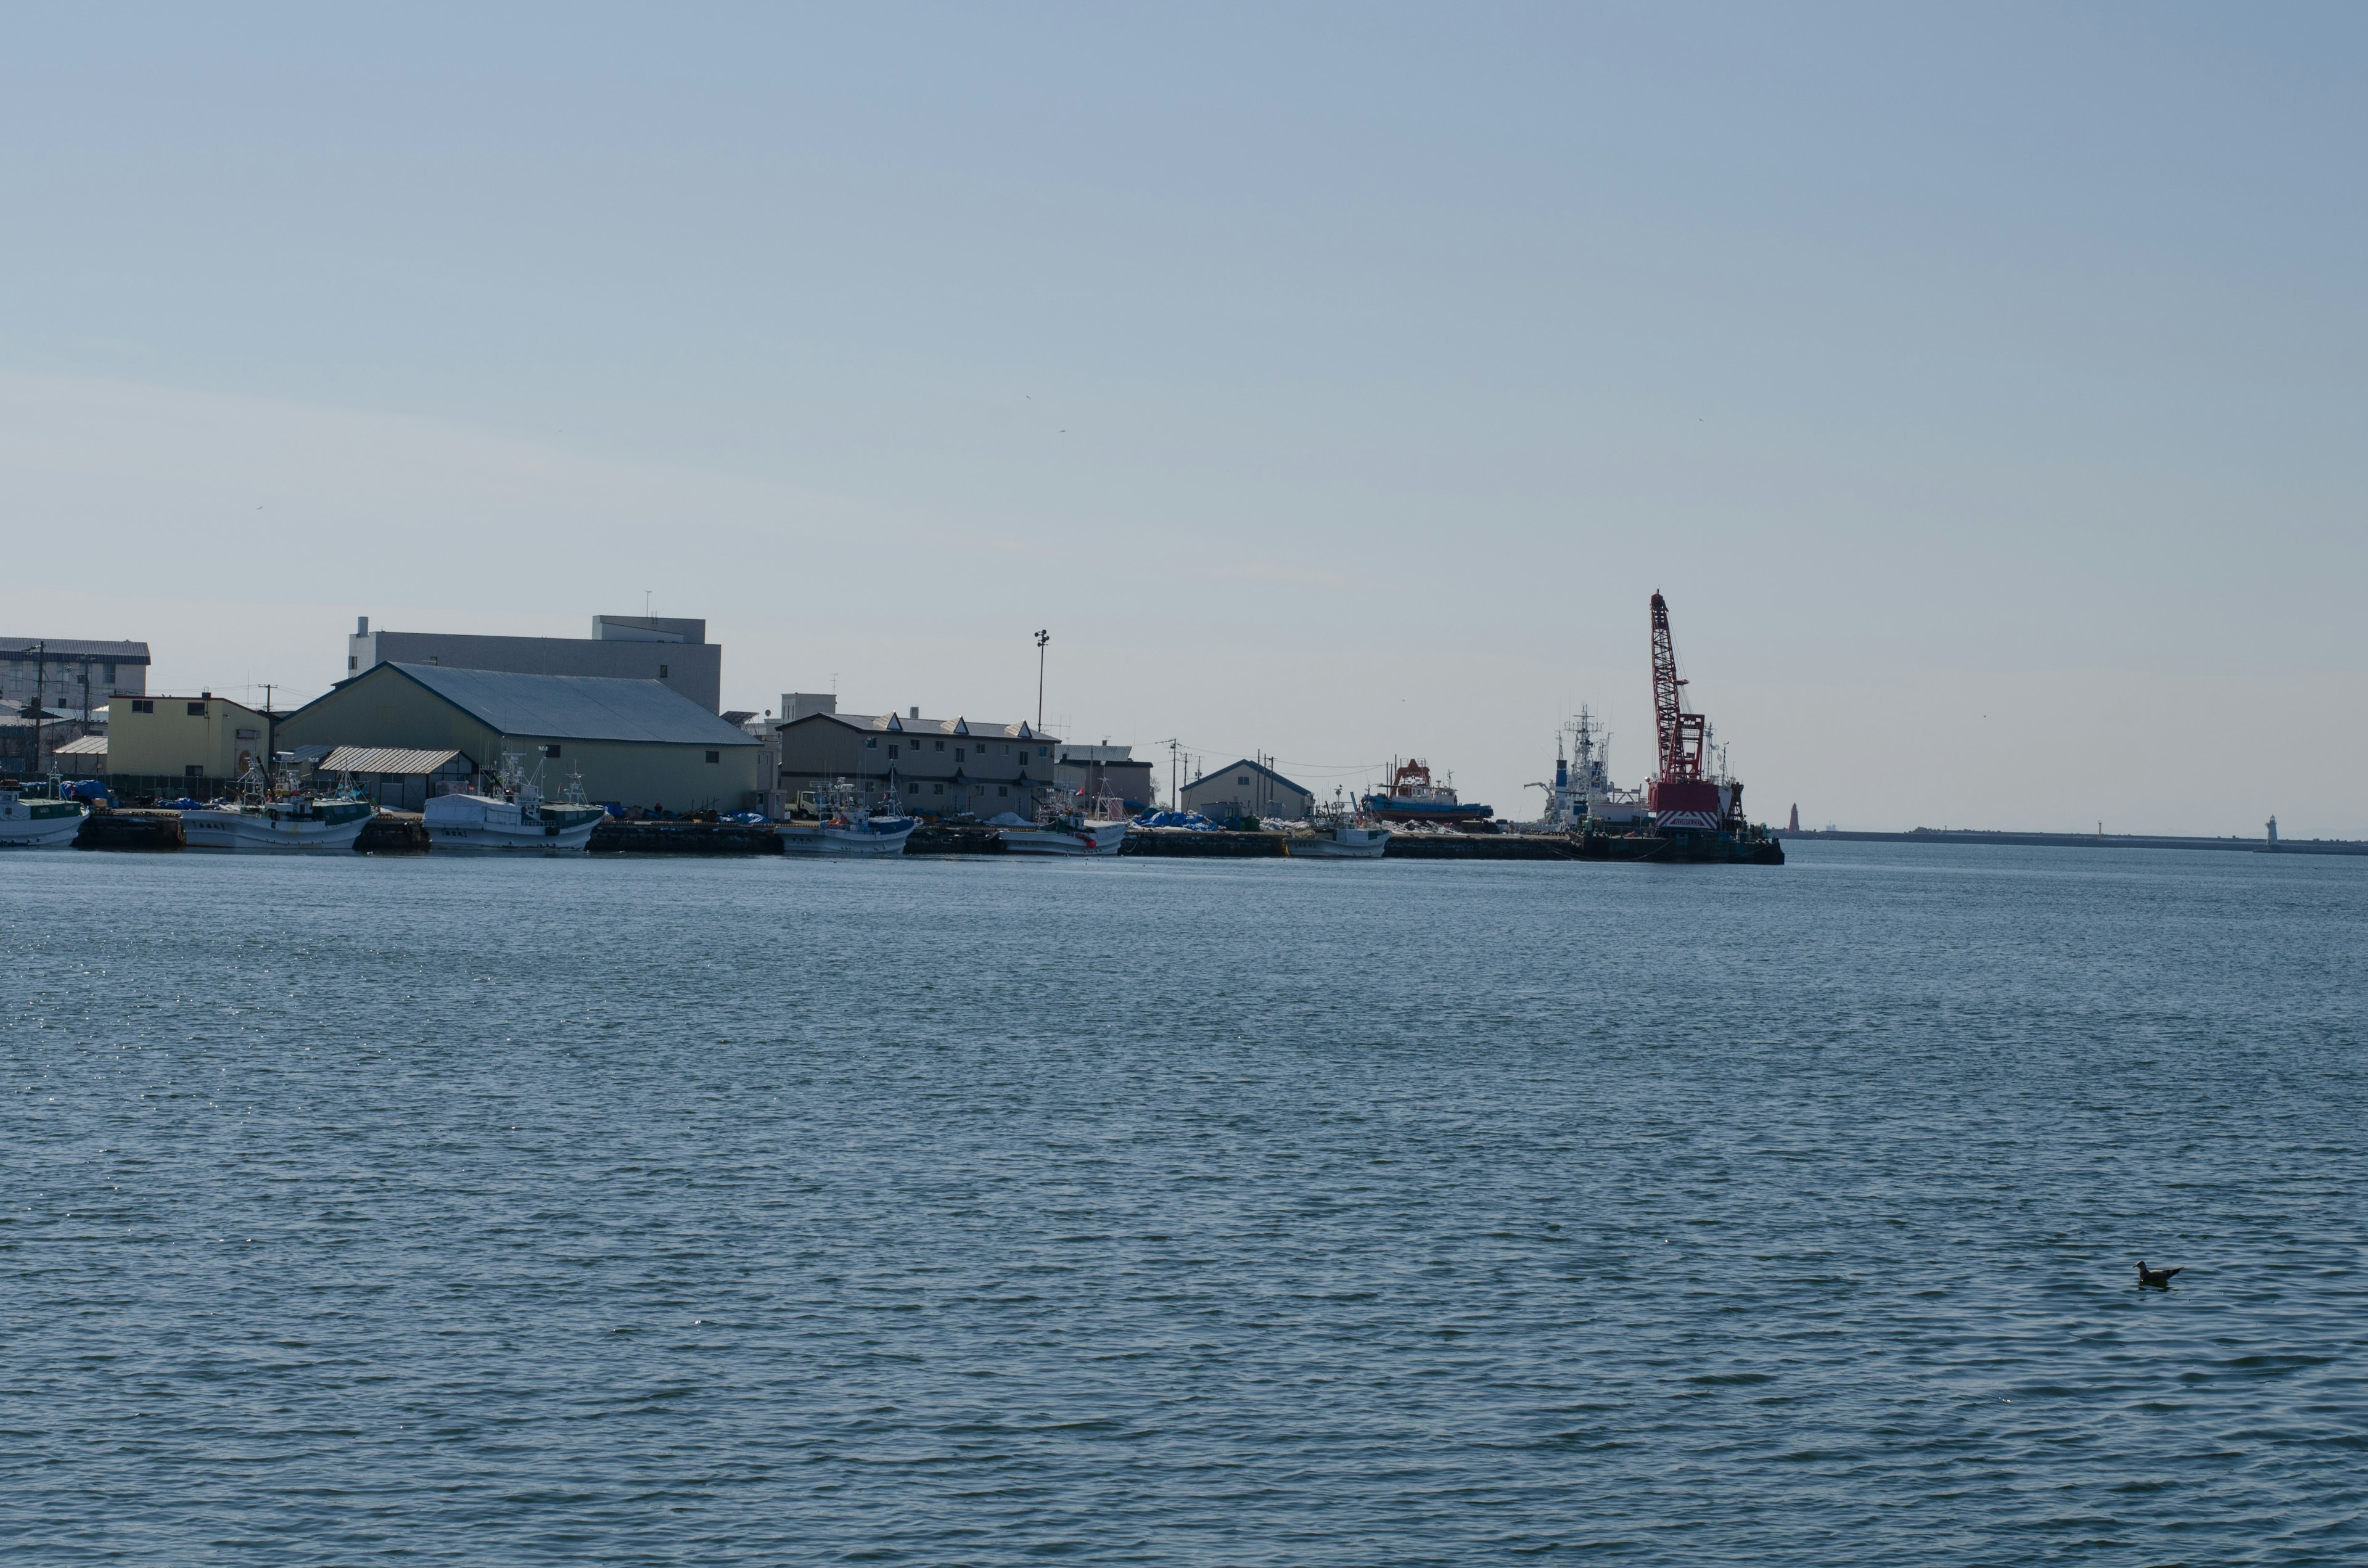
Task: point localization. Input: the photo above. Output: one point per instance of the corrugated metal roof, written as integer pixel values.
(88, 745)
(577, 708)
(78, 648)
(897, 724)
(383, 759)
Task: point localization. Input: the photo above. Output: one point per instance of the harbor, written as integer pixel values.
(497, 746)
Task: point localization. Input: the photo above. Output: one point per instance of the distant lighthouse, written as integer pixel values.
(1795, 825)
(2273, 830)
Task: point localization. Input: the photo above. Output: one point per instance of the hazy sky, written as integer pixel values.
(1984, 387)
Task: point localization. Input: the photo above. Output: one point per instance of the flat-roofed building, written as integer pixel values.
(673, 653)
(167, 746)
(932, 767)
(74, 676)
(1105, 772)
(1246, 791)
(635, 742)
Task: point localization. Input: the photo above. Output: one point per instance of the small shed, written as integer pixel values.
(1244, 792)
(82, 758)
(396, 777)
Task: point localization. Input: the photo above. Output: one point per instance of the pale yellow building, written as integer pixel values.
(169, 746)
(635, 742)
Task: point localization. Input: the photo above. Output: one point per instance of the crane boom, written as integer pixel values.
(1680, 733)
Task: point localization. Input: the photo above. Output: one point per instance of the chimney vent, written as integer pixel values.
(362, 626)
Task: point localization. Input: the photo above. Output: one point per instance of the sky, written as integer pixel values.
(1983, 386)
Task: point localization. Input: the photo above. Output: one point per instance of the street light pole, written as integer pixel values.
(1041, 638)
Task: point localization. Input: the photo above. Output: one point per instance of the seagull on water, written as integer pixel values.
(2157, 1277)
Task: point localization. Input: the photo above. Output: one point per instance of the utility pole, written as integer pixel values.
(40, 708)
(1041, 638)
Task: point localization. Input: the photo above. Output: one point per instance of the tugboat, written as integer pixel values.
(514, 817)
(274, 815)
(1072, 826)
(1413, 797)
(842, 827)
(39, 816)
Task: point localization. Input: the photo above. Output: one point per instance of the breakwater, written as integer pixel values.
(2085, 840)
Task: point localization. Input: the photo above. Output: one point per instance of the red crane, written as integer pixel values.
(1680, 732)
(1681, 797)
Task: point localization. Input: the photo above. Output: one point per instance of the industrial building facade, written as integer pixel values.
(162, 747)
(1246, 791)
(676, 654)
(931, 767)
(634, 742)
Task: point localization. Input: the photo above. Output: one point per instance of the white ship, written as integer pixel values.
(1582, 787)
(38, 816)
(1078, 828)
(842, 825)
(277, 819)
(513, 819)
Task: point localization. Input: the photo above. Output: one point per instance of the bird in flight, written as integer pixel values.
(2157, 1277)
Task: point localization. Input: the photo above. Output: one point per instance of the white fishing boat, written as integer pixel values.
(38, 816)
(1071, 827)
(513, 817)
(842, 825)
(278, 817)
(1339, 833)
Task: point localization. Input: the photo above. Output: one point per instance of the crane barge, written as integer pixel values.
(1696, 806)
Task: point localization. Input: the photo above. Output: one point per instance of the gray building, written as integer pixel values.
(635, 742)
(1247, 790)
(676, 654)
(932, 767)
(51, 689)
(73, 675)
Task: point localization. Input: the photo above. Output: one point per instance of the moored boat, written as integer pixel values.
(1339, 833)
(512, 817)
(1415, 797)
(1074, 828)
(278, 818)
(842, 825)
(39, 816)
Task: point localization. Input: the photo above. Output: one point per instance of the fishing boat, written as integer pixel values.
(1339, 833)
(841, 824)
(39, 816)
(512, 817)
(275, 815)
(1415, 797)
(1071, 826)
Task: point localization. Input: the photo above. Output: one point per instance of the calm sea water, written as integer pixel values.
(984, 1211)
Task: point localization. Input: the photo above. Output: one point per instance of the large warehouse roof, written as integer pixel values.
(76, 648)
(581, 708)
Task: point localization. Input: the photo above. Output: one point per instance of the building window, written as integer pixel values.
(662, 675)
(892, 751)
(139, 707)
(871, 743)
(110, 675)
(715, 756)
(1001, 790)
(1243, 780)
(941, 745)
(353, 661)
(912, 789)
(1043, 750)
(937, 788)
(197, 710)
(194, 770)
(552, 750)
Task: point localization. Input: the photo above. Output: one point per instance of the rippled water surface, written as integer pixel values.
(988, 1211)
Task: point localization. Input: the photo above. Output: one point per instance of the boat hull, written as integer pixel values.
(40, 825)
(1086, 838)
(480, 824)
(255, 833)
(850, 842)
(1341, 844)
